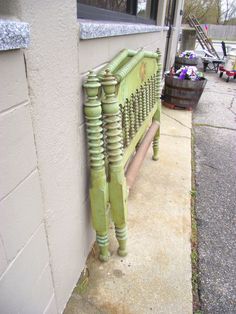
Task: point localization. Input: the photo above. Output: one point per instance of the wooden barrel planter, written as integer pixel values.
(182, 93)
(181, 61)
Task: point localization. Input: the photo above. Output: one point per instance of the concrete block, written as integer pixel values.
(14, 89)
(20, 215)
(3, 259)
(40, 295)
(22, 276)
(152, 46)
(18, 157)
(188, 40)
(92, 53)
(116, 44)
(51, 307)
(74, 234)
(102, 50)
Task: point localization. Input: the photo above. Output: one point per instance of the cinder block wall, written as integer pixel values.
(52, 75)
(25, 272)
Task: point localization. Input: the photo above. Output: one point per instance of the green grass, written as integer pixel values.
(193, 193)
(82, 284)
(194, 239)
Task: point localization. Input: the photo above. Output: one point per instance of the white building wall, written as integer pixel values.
(52, 70)
(24, 257)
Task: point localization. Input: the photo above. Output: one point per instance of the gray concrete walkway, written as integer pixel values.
(215, 134)
(155, 277)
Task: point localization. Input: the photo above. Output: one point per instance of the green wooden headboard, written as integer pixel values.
(122, 113)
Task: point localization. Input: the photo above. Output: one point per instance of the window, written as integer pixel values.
(134, 11)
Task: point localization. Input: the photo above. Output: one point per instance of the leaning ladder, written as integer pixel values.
(202, 37)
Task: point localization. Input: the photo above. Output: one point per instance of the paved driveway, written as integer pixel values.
(215, 153)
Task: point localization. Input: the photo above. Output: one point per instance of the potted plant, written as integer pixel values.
(187, 57)
(183, 88)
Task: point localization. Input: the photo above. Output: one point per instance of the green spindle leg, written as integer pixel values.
(126, 123)
(100, 212)
(117, 181)
(103, 242)
(155, 143)
(118, 199)
(136, 108)
(98, 183)
(132, 117)
(157, 114)
(121, 235)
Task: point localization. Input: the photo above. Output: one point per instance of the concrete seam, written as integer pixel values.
(41, 188)
(19, 184)
(50, 301)
(44, 221)
(4, 251)
(20, 251)
(176, 120)
(231, 105)
(14, 107)
(37, 280)
(43, 270)
(178, 136)
(213, 126)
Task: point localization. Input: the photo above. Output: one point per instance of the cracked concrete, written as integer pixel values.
(215, 153)
(213, 126)
(231, 106)
(218, 97)
(155, 277)
(171, 116)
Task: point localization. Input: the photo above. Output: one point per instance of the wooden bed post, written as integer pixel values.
(157, 115)
(98, 182)
(117, 181)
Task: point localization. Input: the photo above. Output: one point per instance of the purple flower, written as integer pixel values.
(188, 54)
(183, 74)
